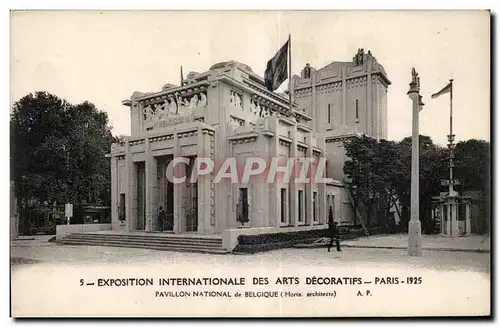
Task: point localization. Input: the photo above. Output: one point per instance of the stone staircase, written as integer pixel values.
(177, 243)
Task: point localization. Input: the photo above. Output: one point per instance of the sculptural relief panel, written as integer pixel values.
(236, 100)
(236, 122)
(260, 110)
(169, 106)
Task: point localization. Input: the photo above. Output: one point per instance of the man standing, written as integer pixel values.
(162, 216)
(332, 226)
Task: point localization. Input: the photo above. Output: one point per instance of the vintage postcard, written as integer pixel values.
(250, 163)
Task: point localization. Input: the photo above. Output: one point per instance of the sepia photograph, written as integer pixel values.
(250, 163)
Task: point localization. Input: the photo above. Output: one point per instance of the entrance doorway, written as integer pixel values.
(191, 199)
(140, 168)
(165, 195)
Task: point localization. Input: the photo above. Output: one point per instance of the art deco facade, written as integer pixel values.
(227, 112)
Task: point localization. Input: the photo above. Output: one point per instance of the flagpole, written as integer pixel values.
(451, 139)
(290, 72)
(182, 76)
(451, 107)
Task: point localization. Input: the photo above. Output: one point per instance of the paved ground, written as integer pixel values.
(39, 250)
(473, 243)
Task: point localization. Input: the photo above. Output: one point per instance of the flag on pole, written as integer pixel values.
(277, 67)
(446, 89)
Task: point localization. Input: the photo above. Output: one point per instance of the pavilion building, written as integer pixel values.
(227, 112)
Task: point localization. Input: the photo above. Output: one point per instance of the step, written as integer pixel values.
(99, 236)
(139, 245)
(158, 248)
(152, 236)
(131, 244)
(149, 240)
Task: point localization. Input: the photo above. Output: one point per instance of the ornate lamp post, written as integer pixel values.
(414, 226)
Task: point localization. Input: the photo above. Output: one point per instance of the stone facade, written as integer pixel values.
(227, 112)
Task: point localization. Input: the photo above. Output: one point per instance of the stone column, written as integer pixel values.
(274, 187)
(151, 180)
(448, 213)
(308, 186)
(178, 210)
(129, 198)
(455, 231)
(204, 204)
(114, 191)
(444, 211)
(414, 228)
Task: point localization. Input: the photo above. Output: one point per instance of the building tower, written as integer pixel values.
(342, 93)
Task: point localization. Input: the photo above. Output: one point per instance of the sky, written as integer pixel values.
(103, 57)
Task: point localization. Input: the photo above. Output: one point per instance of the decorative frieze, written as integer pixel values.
(241, 140)
(356, 82)
(261, 111)
(178, 103)
(303, 93)
(329, 87)
(187, 134)
(316, 153)
(161, 138)
(136, 142)
(120, 157)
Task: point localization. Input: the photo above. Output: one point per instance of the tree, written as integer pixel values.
(472, 169)
(373, 171)
(58, 150)
(472, 162)
(379, 174)
(433, 161)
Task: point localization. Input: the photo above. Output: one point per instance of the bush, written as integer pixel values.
(274, 241)
(281, 237)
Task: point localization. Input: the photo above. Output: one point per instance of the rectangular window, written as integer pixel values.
(315, 207)
(283, 199)
(332, 204)
(121, 207)
(357, 112)
(329, 115)
(301, 206)
(242, 215)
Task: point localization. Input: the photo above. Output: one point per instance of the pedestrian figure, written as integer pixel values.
(162, 217)
(332, 226)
